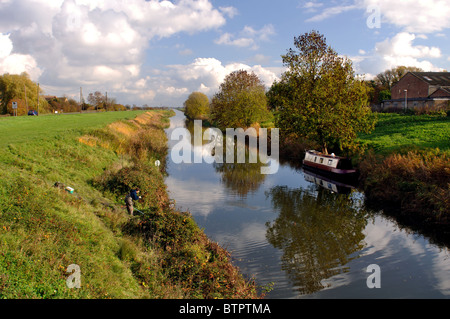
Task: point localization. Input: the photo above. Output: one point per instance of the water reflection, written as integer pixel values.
(340, 187)
(318, 231)
(290, 229)
(240, 178)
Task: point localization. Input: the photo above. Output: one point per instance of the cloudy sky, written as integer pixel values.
(158, 52)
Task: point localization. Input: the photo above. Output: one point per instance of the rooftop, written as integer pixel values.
(434, 78)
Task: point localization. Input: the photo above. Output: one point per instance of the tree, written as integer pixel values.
(326, 102)
(277, 94)
(197, 106)
(97, 99)
(389, 77)
(240, 102)
(19, 88)
(384, 95)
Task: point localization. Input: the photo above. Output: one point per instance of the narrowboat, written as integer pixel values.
(333, 164)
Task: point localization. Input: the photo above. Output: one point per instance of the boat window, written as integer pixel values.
(330, 162)
(315, 159)
(345, 164)
(321, 161)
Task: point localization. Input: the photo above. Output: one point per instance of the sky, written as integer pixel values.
(156, 53)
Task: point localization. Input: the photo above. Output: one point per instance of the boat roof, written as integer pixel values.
(325, 155)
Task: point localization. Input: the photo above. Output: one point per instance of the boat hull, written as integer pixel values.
(332, 170)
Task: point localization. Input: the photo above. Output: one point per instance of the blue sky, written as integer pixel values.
(158, 52)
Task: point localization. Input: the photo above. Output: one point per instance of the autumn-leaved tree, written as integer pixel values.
(97, 99)
(240, 102)
(389, 77)
(21, 89)
(197, 106)
(326, 102)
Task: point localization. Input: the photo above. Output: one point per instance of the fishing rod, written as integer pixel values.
(136, 210)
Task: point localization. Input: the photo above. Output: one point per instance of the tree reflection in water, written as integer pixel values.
(318, 231)
(241, 179)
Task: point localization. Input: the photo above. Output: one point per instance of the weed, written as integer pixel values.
(415, 182)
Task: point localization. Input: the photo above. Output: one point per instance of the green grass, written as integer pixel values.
(406, 167)
(44, 229)
(400, 133)
(26, 128)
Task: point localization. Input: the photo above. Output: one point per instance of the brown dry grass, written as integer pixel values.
(415, 182)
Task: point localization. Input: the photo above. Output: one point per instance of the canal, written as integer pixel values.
(299, 239)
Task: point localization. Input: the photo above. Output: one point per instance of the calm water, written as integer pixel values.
(306, 241)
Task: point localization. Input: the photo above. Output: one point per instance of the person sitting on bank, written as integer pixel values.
(133, 195)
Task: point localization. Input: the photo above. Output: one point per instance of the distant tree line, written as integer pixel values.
(319, 99)
(29, 96)
(240, 102)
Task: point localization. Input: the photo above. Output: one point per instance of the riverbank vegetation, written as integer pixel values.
(319, 103)
(44, 228)
(407, 167)
(401, 133)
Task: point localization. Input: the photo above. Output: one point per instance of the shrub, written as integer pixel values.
(144, 176)
(415, 182)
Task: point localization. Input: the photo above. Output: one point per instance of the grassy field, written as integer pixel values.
(44, 229)
(400, 133)
(407, 166)
(27, 128)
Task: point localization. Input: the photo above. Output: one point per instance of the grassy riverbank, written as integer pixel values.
(399, 133)
(44, 229)
(407, 167)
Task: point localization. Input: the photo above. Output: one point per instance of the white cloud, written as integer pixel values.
(248, 37)
(397, 51)
(94, 43)
(16, 63)
(416, 16)
(311, 6)
(231, 12)
(227, 39)
(6, 46)
(401, 45)
(331, 11)
(171, 85)
(209, 73)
